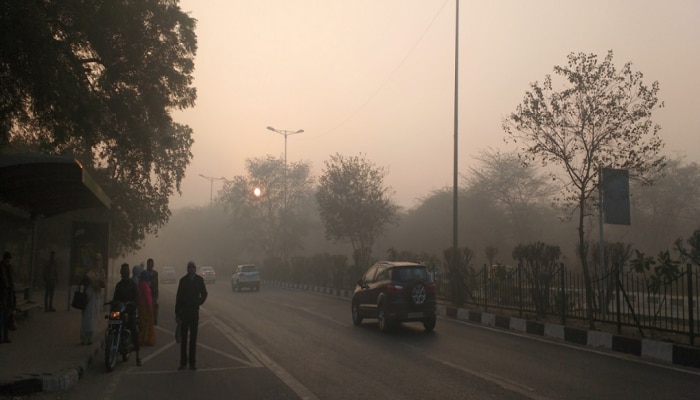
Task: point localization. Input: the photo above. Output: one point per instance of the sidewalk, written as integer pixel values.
(45, 353)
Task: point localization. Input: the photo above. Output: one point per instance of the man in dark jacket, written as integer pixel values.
(191, 293)
(126, 292)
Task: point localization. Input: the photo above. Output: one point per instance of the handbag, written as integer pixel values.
(79, 298)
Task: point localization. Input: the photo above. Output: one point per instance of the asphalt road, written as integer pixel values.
(286, 344)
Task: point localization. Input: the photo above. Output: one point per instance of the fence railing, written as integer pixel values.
(626, 299)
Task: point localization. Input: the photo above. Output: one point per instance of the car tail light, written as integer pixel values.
(430, 287)
(394, 288)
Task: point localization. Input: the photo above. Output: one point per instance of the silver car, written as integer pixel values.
(208, 273)
(245, 276)
(168, 275)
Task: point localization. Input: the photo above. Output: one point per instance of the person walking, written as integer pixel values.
(147, 333)
(191, 293)
(8, 300)
(150, 264)
(94, 282)
(50, 280)
(126, 292)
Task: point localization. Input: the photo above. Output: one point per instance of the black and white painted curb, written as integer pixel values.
(49, 382)
(653, 350)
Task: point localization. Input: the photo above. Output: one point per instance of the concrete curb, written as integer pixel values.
(69, 377)
(50, 382)
(652, 350)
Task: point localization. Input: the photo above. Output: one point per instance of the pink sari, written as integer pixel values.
(147, 332)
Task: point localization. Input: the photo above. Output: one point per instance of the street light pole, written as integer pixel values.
(211, 185)
(284, 192)
(285, 133)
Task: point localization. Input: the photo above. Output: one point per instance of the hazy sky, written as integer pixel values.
(376, 77)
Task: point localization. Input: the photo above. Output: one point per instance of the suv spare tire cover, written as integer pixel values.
(417, 293)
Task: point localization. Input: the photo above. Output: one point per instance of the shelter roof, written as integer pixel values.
(48, 185)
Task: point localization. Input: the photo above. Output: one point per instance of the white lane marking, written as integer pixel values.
(296, 386)
(505, 383)
(233, 338)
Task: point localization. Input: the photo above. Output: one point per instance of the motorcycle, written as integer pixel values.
(118, 336)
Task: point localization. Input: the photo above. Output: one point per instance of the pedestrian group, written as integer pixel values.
(140, 291)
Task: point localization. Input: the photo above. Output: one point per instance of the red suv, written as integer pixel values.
(395, 292)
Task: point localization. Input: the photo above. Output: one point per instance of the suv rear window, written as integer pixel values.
(249, 268)
(409, 274)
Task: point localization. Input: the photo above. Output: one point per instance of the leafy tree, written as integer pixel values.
(354, 204)
(425, 228)
(512, 185)
(267, 224)
(98, 80)
(601, 118)
(691, 254)
(663, 211)
(658, 272)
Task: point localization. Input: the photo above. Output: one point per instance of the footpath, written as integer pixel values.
(45, 353)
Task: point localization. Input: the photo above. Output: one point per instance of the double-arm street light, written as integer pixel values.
(285, 133)
(211, 185)
(284, 189)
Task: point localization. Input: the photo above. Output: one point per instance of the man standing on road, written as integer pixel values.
(154, 288)
(191, 293)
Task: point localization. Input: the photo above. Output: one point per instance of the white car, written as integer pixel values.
(168, 275)
(246, 275)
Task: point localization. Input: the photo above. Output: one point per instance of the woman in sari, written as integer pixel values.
(93, 281)
(147, 332)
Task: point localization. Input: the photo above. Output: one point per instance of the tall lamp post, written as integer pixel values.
(211, 185)
(285, 133)
(284, 193)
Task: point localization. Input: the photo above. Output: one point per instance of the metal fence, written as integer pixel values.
(627, 299)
